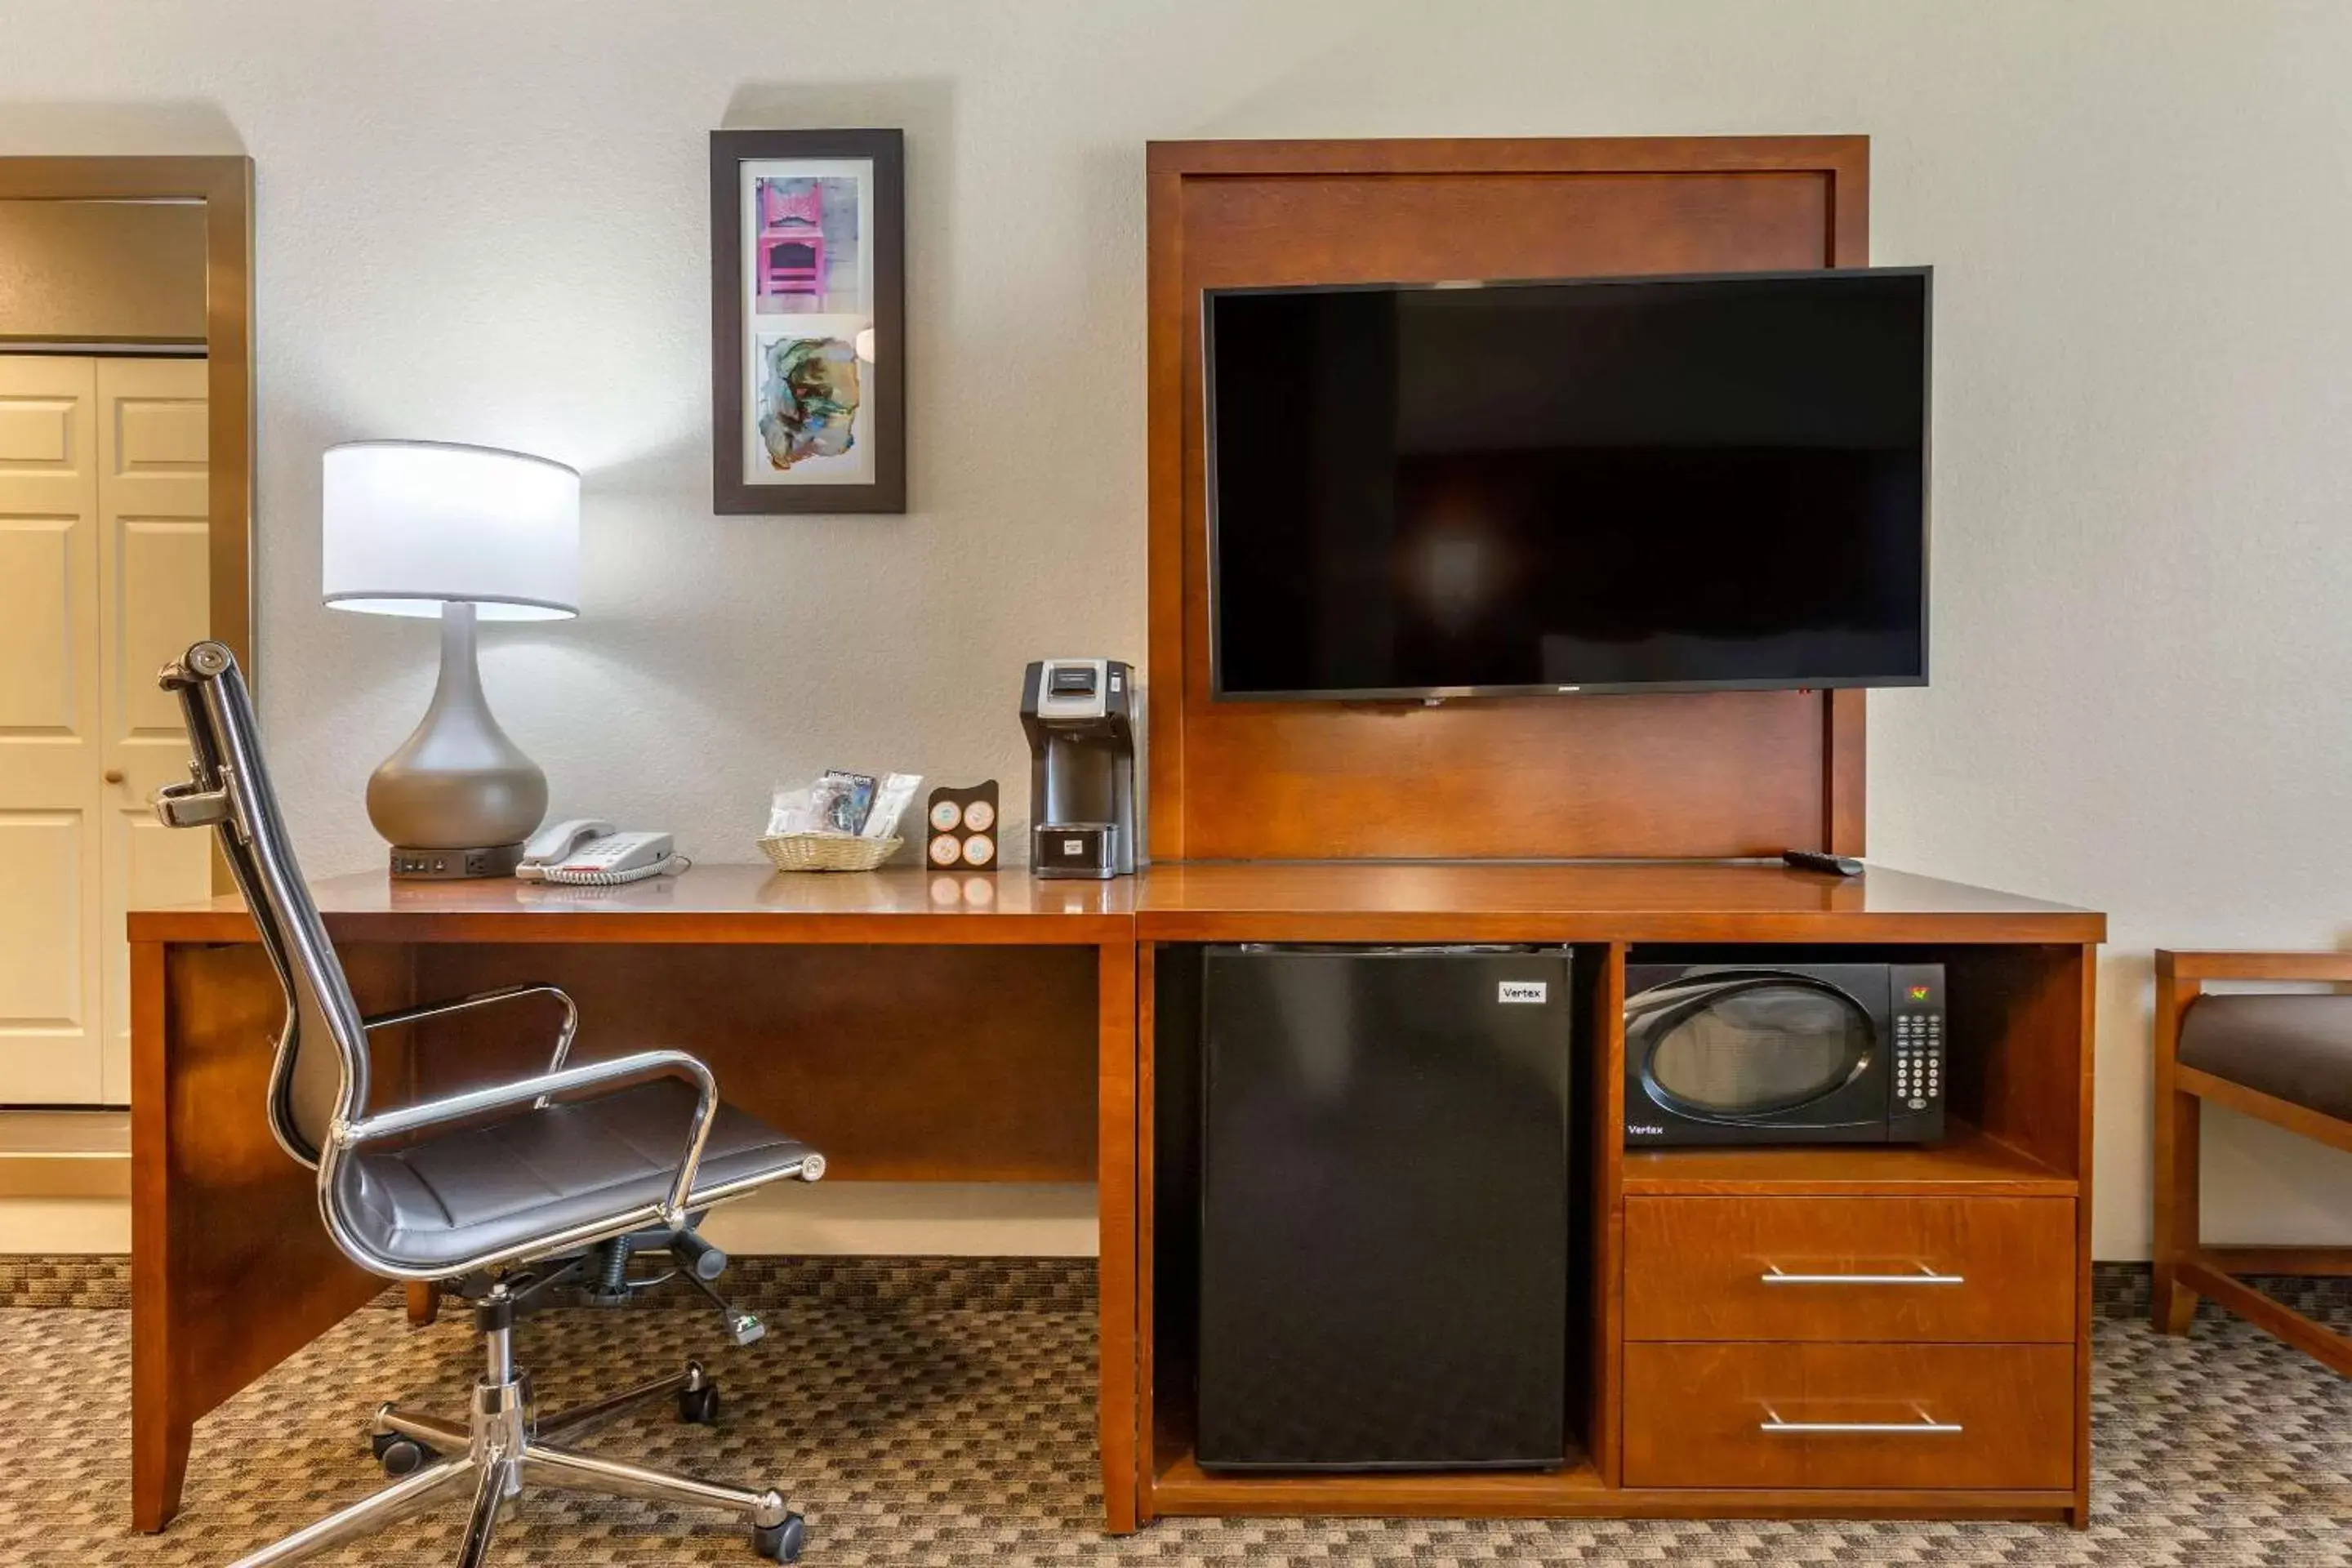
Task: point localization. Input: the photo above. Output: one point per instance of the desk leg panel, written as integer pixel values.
(1147, 1228)
(231, 1270)
(1115, 1208)
(159, 1428)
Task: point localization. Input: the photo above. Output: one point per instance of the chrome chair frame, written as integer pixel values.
(503, 1444)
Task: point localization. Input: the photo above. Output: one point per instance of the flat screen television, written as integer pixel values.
(1683, 483)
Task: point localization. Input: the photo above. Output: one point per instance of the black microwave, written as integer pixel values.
(1803, 1053)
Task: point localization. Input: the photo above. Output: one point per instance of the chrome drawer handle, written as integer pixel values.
(1927, 1426)
(1772, 1275)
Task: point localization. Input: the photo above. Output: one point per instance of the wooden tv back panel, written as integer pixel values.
(1729, 773)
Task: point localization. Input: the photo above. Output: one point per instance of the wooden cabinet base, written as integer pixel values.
(1850, 1284)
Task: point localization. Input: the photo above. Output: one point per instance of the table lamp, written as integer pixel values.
(466, 534)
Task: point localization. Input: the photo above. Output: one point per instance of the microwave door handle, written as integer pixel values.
(1924, 1275)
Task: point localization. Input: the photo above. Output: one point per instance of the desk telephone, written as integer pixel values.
(585, 852)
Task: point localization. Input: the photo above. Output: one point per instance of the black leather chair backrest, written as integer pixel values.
(320, 1070)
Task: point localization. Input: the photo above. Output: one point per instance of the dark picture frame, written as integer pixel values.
(808, 322)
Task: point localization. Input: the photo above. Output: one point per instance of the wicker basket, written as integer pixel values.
(827, 851)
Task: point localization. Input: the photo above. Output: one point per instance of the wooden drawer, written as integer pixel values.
(1968, 1269)
(1909, 1416)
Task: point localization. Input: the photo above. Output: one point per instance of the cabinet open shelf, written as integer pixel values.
(1969, 1161)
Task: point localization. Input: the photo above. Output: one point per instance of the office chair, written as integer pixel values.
(501, 1194)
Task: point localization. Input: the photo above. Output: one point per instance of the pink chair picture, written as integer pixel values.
(792, 239)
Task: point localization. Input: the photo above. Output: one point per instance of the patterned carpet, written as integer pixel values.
(941, 1415)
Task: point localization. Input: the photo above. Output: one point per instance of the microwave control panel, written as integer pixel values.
(1917, 1011)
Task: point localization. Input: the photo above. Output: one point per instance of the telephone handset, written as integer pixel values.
(585, 852)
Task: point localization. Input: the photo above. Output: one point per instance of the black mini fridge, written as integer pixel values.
(1384, 1215)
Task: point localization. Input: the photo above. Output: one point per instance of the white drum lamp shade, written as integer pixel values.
(411, 526)
(466, 534)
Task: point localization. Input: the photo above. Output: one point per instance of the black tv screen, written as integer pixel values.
(1578, 485)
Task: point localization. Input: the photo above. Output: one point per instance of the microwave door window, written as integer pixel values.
(1760, 1051)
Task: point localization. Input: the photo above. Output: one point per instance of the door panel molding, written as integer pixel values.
(154, 561)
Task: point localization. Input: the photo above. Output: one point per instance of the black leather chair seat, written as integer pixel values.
(2296, 1048)
(464, 1193)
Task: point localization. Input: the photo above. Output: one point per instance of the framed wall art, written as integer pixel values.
(808, 322)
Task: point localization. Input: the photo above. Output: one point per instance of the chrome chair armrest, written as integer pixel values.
(538, 1088)
(564, 1036)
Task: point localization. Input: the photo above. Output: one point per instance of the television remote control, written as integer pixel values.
(1814, 860)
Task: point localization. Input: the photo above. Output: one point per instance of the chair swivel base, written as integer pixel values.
(504, 1447)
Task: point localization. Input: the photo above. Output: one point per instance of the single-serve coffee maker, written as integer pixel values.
(1078, 715)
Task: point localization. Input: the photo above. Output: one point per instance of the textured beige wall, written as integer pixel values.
(489, 223)
(87, 271)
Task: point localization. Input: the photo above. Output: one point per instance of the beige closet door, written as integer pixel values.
(52, 1028)
(103, 577)
(152, 566)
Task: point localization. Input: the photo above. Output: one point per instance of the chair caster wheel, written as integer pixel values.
(399, 1455)
(780, 1542)
(699, 1408)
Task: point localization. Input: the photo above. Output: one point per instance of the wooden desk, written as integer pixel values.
(978, 1028)
(998, 1029)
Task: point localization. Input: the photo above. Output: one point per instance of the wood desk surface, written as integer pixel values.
(1189, 901)
(1584, 901)
(711, 903)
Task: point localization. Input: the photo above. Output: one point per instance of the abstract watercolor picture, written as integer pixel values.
(808, 400)
(808, 275)
(807, 285)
